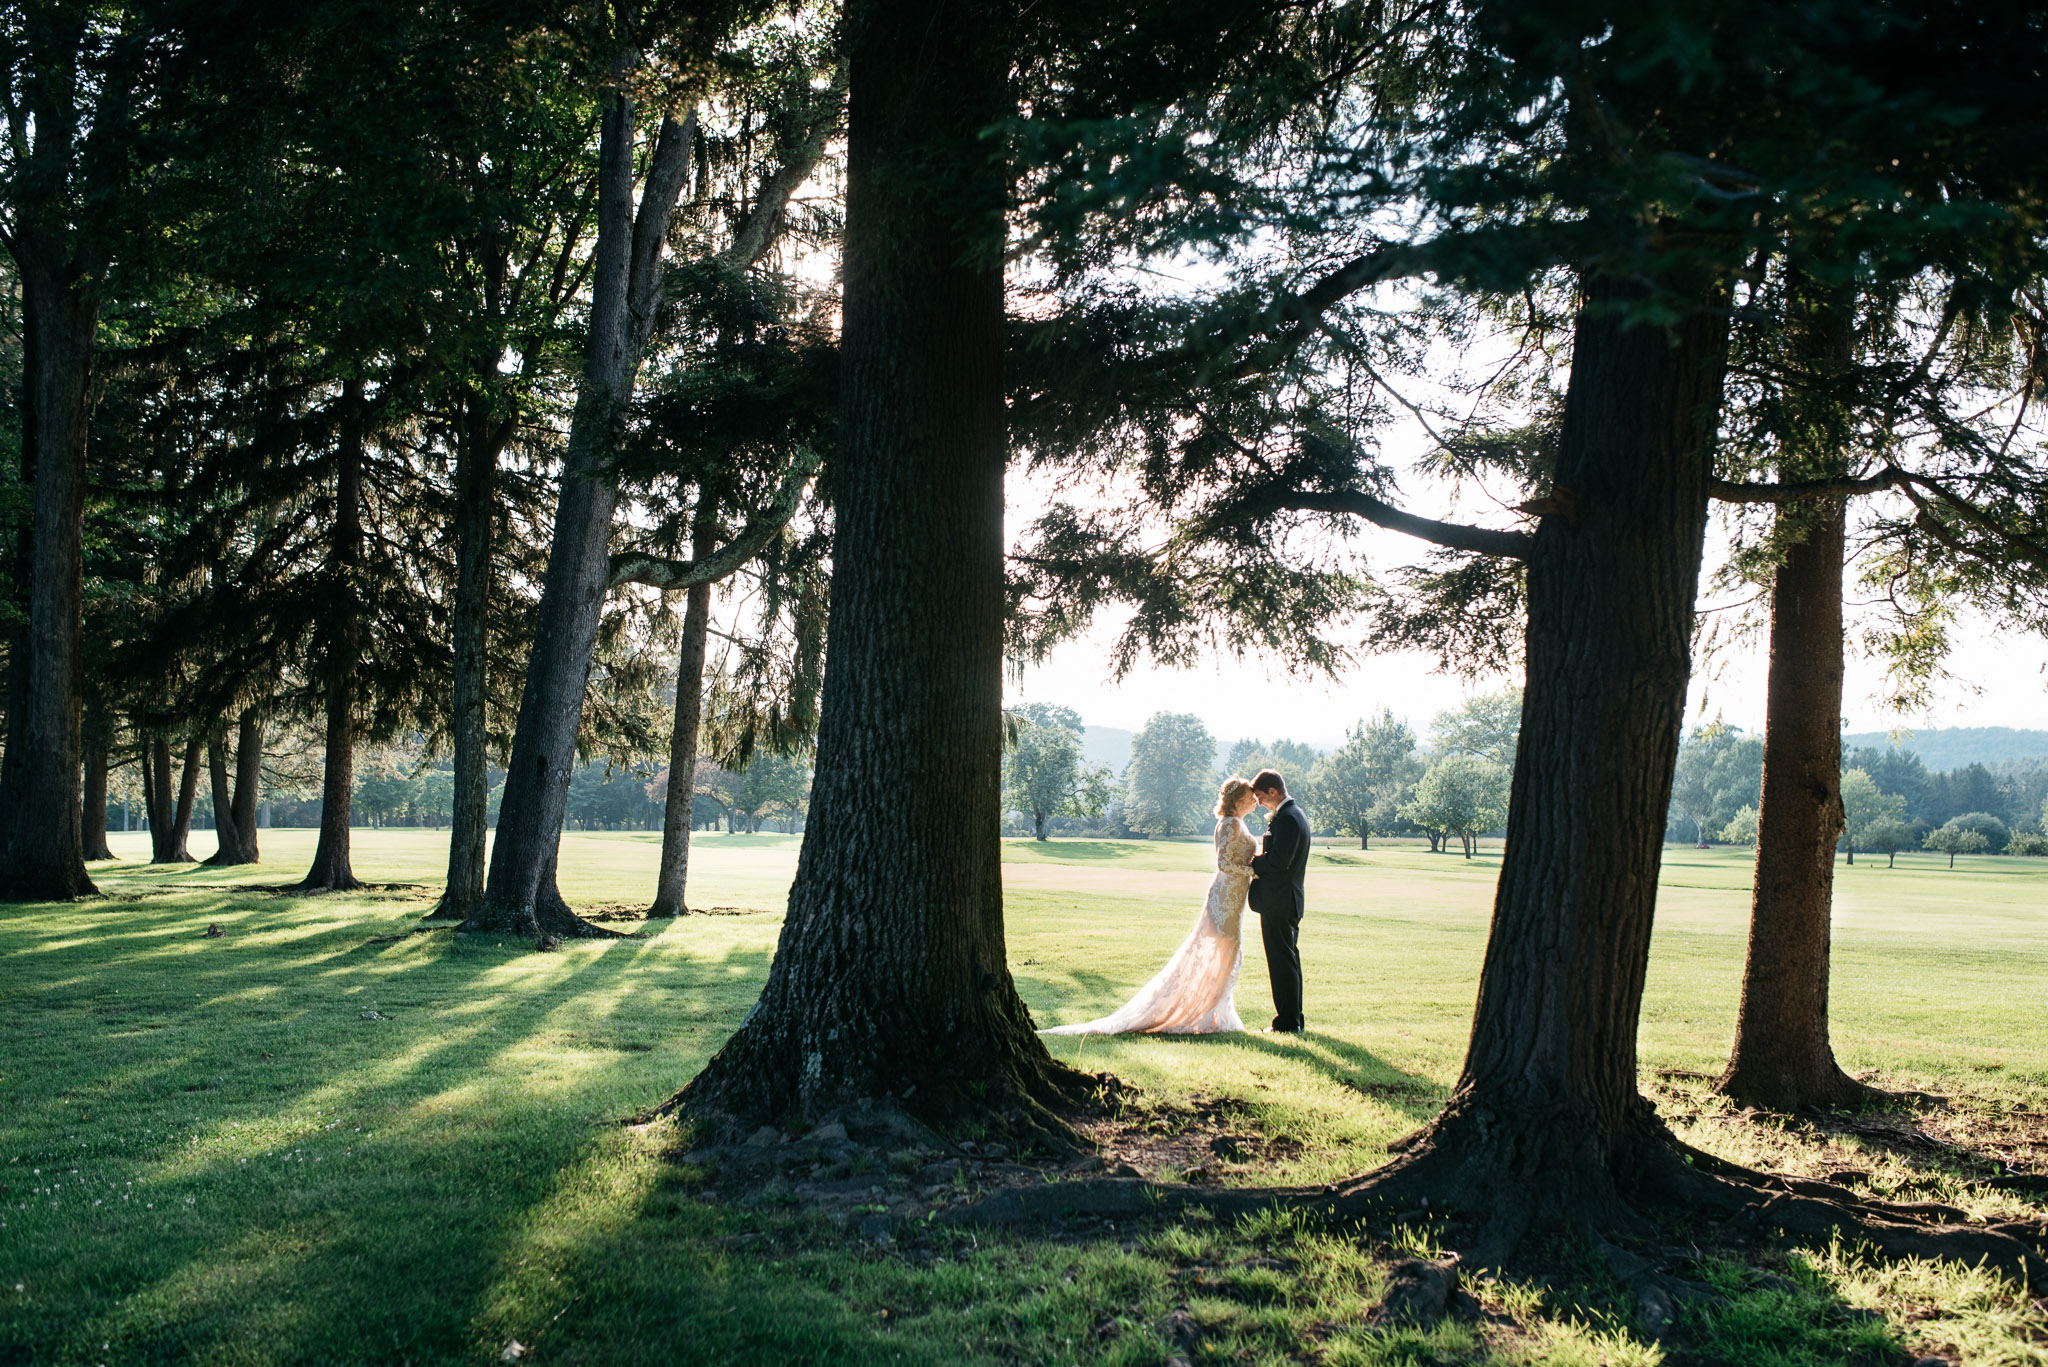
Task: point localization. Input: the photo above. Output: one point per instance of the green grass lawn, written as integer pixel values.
(212, 1153)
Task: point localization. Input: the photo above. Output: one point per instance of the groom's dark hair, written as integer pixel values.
(1269, 781)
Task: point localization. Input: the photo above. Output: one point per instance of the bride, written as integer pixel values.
(1192, 994)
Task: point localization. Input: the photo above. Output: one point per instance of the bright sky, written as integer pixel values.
(1999, 681)
(1997, 678)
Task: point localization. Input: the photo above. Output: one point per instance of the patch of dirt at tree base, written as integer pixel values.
(419, 891)
(877, 1174)
(633, 911)
(1206, 1140)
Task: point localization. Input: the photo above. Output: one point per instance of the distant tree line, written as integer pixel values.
(1379, 782)
(1891, 801)
(408, 786)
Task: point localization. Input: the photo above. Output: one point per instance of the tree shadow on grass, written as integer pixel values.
(1943, 1143)
(1074, 986)
(264, 1172)
(1056, 850)
(1355, 1067)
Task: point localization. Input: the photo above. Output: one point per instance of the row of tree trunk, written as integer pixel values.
(235, 793)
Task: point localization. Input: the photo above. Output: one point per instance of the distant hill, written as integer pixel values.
(1957, 747)
(1107, 745)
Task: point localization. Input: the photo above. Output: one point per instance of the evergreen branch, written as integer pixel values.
(764, 225)
(1457, 536)
(1975, 516)
(1305, 308)
(1797, 491)
(662, 572)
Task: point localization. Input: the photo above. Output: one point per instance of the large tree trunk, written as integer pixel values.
(1546, 1121)
(98, 739)
(17, 641)
(179, 843)
(1782, 1057)
(42, 847)
(626, 292)
(475, 519)
(248, 782)
(227, 836)
(671, 888)
(331, 871)
(890, 981)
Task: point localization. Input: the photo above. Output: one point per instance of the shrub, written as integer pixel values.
(2027, 842)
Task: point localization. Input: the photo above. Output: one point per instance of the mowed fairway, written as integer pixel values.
(212, 1152)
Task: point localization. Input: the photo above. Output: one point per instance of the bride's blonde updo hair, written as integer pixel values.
(1235, 790)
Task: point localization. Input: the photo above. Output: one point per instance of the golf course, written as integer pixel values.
(245, 1127)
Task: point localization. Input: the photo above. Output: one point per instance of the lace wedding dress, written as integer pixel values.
(1192, 994)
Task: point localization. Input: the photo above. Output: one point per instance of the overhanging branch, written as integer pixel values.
(2031, 547)
(1798, 491)
(1456, 535)
(663, 572)
(1304, 309)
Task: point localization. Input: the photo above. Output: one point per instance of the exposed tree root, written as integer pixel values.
(329, 881)
(1821, 1087)
(1030, 1113)
(547, 922)
(667, 906)
(1002, 1087)
(212, 861)
(451, 908)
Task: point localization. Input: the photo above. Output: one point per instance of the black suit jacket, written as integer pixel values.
(1282, 864)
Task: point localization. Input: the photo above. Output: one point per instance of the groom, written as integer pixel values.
(1277, 872)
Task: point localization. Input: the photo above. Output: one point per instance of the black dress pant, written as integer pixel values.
(1282, 934)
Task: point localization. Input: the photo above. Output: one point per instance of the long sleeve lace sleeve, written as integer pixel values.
(1234, 847)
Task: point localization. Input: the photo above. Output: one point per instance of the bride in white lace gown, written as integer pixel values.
(1192, 994)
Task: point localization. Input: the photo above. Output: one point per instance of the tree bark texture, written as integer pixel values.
(98, 738)
(475, 520)
(42, 849)
(227, 836)
(332, 871)
(670, 894)
(17, 644)
(1546, 1119)
(890, 981)
(179, 841)
(1783, 1059)
(626, 293)
(248, 782)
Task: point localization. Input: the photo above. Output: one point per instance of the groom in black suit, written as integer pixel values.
(1277, 873)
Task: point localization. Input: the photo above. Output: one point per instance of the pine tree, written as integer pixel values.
(919, 1011)
(626, 297)
(1683, 159)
